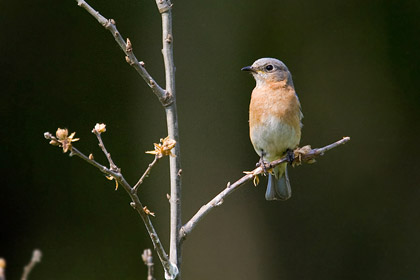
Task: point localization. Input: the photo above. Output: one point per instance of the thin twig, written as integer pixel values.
(36, 258)
(165, 9)
(320, 151)
(304, 154)
(169, 268)
(148, 261)
(112, 165)
(107, 171)
(136, 204)
(109, 24)
(146, 173)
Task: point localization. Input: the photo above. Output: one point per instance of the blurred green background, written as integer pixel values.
(353, 215)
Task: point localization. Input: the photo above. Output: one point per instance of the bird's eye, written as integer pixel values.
(269, 67)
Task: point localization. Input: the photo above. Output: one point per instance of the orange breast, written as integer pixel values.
(277, 100)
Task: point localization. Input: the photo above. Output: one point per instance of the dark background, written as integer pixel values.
(353, 215)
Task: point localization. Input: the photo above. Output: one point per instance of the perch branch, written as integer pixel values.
(36, 258)
(109, 24)
(304, 154)
(115, 174)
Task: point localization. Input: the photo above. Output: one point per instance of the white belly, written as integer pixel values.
(274, 138)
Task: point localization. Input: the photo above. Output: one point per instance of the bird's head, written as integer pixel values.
(268, 70)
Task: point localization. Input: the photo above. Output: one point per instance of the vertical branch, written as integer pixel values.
(165, 7)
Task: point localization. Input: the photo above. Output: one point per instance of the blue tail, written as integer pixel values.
(278, 187)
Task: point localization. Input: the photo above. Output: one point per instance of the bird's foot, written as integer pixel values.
(290, 156)
(263, 164)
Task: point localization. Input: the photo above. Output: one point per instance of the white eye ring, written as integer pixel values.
(269, 67)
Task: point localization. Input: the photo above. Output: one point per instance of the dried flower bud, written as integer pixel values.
(99, 128)
(36, 255)
(163, 148)
(128, 46)
(48, 135)
(62, 139)
(300, 153)
(256, 180)
(54, 142)
(147, 257)
(148, 212)
(61, 133)
(167, 146)
(110, 177)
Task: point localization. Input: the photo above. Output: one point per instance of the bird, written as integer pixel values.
(275, 121)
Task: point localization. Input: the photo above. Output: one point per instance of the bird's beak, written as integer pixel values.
(248, 69)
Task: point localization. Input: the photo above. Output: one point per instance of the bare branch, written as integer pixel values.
(137, 205)
(115, 174)
(107, 171)
(165, 9)
(97, 131)
(36, 258)
(109, 24)
(167, 99)
(148, 261)
(308, 155)
(170, 269)
(304, 154)
(146, 173)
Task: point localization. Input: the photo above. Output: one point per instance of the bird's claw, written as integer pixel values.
(261, 163)
(290, 156)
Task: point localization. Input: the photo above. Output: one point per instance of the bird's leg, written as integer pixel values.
(290, 156)
(261, 162)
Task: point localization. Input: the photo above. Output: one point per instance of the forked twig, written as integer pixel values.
(114, 173)
(109, 24)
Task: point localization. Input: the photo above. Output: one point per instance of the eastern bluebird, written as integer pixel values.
(274, 120)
